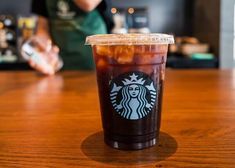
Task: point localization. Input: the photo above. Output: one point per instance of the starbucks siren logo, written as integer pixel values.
(133, 95)
(64, 10)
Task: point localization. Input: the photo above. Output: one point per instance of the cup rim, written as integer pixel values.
(130, 39)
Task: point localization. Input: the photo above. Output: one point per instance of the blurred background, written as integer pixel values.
(204, 29)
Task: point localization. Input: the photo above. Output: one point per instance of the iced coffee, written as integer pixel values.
(130, 75)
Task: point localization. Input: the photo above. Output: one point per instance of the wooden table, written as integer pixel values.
(55, 122)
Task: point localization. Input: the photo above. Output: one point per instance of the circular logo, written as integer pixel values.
(133, 95)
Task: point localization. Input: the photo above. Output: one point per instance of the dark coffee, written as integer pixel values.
(130, 81)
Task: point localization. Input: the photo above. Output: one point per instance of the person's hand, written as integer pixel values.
(42, 55)
(48, 64)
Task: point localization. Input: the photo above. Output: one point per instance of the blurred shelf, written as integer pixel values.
(180, 62)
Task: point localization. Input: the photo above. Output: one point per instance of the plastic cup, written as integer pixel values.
(130, 75)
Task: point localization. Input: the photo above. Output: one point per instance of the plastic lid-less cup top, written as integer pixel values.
(130, 39)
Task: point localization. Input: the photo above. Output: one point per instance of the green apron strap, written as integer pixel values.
(69, 27)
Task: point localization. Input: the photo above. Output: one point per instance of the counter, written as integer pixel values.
(55, 122)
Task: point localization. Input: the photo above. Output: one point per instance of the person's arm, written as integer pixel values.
(40, 9)
(42, 32)
(87, 5)
(43, 27)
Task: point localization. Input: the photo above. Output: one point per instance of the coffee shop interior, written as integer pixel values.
(76, 117)
(199, 27)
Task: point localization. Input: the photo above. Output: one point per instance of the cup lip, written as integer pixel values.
(130, 39)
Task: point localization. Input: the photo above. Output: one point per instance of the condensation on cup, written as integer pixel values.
(130, 76)
(42, 53)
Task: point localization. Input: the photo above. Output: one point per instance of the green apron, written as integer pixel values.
(69, 26)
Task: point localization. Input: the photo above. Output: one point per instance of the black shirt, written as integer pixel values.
(39, 7)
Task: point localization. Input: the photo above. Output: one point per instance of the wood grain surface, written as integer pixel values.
(55, 122)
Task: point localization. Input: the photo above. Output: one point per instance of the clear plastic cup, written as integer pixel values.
(42, 54)
(130, 75)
